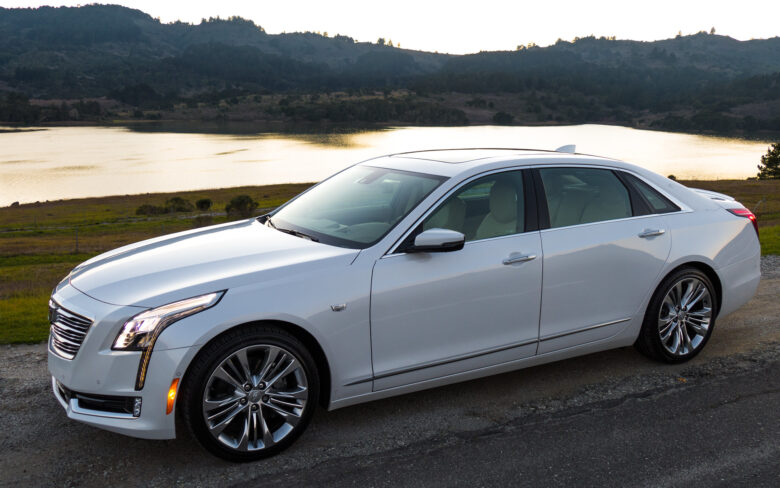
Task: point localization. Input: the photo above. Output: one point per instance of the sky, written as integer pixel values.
(460, 27)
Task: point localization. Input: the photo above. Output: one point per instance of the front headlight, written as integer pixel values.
(141, 332)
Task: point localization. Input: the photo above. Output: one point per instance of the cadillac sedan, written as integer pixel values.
(400, 273)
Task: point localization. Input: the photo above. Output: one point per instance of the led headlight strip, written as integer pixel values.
(140, 332)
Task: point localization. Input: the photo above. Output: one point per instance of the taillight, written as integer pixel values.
(743, 212)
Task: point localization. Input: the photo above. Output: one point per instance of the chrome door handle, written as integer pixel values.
(651, 233)
(519, 259)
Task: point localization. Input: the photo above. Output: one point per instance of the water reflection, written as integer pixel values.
(71, 162)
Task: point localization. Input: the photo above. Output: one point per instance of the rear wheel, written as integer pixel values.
(680, 317)
(250, 393)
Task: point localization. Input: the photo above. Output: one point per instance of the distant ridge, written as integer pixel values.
(126, 55)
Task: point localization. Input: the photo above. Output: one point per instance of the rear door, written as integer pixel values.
(603, 251)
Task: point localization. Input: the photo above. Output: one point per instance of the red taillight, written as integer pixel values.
(743, 212)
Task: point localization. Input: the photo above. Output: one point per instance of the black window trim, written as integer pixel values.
(628, 181)
(639, 205)
(530, 200)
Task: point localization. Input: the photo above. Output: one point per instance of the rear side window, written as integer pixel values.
(658, 203)
(583, 195)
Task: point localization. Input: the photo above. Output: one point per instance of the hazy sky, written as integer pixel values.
(461, 27)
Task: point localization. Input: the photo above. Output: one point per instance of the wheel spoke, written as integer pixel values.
(222, 374)
(268, 438)
(701, 293)
(211, 405)
(289, 417)
(690, 290)
(301, 394)
(270, 359)
(698, 328)
(292, 366)
(217, 428)
(243, 441)
(686, 339)
(243, 361)
(665, 334)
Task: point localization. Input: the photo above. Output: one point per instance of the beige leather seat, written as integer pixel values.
(450, 216)
(502, 219)
(609, 203)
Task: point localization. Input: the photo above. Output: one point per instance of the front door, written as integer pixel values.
(442, 313)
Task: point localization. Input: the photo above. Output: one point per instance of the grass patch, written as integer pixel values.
(23, 319)
(770, 240)
(40, 243)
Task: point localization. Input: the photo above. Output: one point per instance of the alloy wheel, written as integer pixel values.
(255, 397)
(685, 316)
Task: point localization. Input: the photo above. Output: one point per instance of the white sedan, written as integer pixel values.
(397, 274)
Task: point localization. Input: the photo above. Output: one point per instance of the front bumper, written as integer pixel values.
(98, 370)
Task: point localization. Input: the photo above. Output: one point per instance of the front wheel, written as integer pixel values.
(250, 393)
(680, 317)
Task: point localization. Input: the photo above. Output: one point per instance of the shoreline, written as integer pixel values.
(263, 126)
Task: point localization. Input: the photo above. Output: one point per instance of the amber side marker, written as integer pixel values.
(172, 396)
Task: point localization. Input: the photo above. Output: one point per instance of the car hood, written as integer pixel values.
(169, 268)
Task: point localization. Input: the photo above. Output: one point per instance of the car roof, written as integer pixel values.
(464, 161)
(459, 164)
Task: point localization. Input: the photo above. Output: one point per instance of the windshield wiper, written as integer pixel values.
(291, 232)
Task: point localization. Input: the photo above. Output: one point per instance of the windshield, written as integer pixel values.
(356, 207)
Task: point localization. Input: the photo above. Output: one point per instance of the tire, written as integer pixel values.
(245, 417)
(680, 317)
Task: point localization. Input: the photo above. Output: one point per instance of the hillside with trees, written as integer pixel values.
(101, 62)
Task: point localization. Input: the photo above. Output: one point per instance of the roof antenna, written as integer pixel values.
(569, 148)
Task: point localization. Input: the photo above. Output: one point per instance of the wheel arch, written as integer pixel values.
(308, 340)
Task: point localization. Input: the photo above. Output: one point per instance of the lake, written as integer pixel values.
(74, 162)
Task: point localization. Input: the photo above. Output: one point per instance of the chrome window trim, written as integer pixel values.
(392, 252)
(683, 208)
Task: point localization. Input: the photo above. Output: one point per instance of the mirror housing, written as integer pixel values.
(437, 240)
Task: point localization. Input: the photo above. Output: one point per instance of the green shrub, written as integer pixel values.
(178, 204)
(242, 206)
(503, 118)
(203, 204)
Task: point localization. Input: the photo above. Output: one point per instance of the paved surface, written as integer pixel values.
(613, 418)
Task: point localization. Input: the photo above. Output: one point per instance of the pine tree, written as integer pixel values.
(769, 169)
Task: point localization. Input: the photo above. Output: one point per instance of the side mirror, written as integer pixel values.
(437, 240)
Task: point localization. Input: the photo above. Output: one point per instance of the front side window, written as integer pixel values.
(356, 207)
(491, 206)
(583, 195)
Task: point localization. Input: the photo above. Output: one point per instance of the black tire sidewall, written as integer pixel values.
(211, 356)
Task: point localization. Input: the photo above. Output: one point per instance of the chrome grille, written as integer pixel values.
(68, 330)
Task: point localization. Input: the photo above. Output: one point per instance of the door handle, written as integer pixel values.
(519, 259)
(651, 233)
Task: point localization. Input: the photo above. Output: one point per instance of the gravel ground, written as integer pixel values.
(41, 447)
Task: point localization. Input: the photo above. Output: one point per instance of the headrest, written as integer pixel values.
(503, 201)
